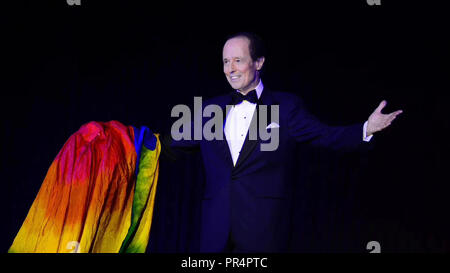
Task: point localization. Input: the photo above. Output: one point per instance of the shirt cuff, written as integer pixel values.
(365, 137)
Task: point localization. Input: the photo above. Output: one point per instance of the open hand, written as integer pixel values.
(378, 121)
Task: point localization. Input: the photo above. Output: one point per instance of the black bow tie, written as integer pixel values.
(237, 97)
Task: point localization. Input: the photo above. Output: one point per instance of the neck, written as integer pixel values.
(250, 88)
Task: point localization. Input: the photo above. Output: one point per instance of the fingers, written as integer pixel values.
(389, 120)
(381, 106)
(392, 116)
(398, 112)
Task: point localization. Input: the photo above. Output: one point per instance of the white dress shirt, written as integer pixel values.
(238, 122)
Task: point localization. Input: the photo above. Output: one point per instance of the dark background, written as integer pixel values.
(63, 66)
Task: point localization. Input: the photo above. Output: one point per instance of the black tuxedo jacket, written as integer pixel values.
(250, 203)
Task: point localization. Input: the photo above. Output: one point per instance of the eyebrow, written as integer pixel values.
(233, 58)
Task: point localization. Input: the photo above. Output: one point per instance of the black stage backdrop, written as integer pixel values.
(66, 65)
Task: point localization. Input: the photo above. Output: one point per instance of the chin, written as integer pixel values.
(235, 86)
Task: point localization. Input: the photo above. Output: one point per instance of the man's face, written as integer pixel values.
(239, 68)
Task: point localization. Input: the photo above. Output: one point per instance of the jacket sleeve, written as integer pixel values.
(304, 127)
(171, 148)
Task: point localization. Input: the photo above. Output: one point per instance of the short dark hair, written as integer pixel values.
(256, 46)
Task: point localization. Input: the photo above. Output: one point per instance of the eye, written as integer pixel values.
(238, 60)
(225, 61)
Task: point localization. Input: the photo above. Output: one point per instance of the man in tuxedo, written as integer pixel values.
(247, 198)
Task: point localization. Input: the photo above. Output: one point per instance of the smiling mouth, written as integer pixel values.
(234, 78)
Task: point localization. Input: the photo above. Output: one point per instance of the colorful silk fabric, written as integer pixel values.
(98, 195)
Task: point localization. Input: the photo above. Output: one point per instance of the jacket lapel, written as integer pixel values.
(223, 144)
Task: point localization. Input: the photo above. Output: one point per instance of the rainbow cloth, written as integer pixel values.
(98, 194)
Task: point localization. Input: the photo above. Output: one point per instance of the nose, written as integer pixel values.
(233, 68)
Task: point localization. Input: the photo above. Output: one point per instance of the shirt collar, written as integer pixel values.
(259, 88)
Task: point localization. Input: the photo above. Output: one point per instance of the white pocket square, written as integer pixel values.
(273, 125)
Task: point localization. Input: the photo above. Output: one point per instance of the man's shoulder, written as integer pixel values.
(286, 98)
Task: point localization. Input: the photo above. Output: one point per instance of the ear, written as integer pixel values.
(259, 63)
